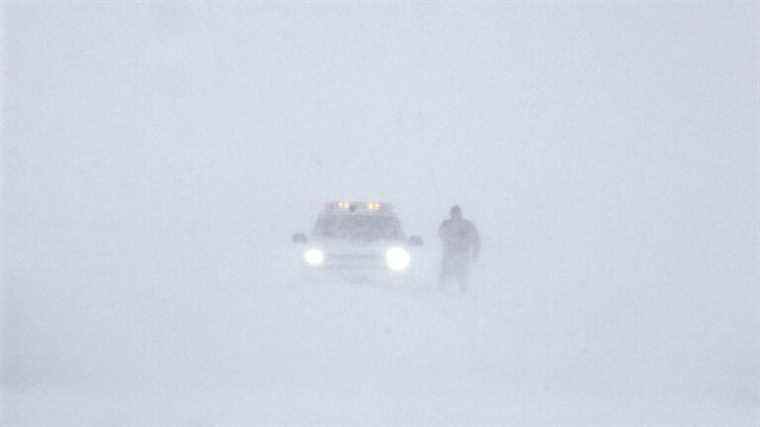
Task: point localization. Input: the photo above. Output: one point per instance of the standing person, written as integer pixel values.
(461, 246)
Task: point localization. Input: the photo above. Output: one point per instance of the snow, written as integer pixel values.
(157, 159)
(285, 352)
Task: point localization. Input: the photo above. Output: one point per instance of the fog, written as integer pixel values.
(158, 157)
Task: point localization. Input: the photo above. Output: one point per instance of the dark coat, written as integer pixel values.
(459, 237)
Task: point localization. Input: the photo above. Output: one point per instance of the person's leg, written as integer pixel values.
(463, 276)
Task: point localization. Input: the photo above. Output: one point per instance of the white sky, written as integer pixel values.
(609, 144)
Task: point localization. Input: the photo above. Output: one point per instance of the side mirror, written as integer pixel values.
(415, 241)
(299, 238)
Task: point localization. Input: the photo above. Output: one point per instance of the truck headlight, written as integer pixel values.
(397, 259)
(314, 257)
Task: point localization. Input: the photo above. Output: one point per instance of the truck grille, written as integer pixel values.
(355, 261)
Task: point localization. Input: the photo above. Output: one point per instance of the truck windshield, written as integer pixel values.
(358, 227)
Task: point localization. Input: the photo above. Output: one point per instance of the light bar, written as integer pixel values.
(348, 205)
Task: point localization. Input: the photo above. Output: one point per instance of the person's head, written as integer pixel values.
(455, 212)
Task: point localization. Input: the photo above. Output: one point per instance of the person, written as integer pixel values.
(461, 246)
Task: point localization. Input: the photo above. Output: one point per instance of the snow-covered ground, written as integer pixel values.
(261, 347)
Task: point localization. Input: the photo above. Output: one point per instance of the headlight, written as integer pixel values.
(397, 259)
(314, 257)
